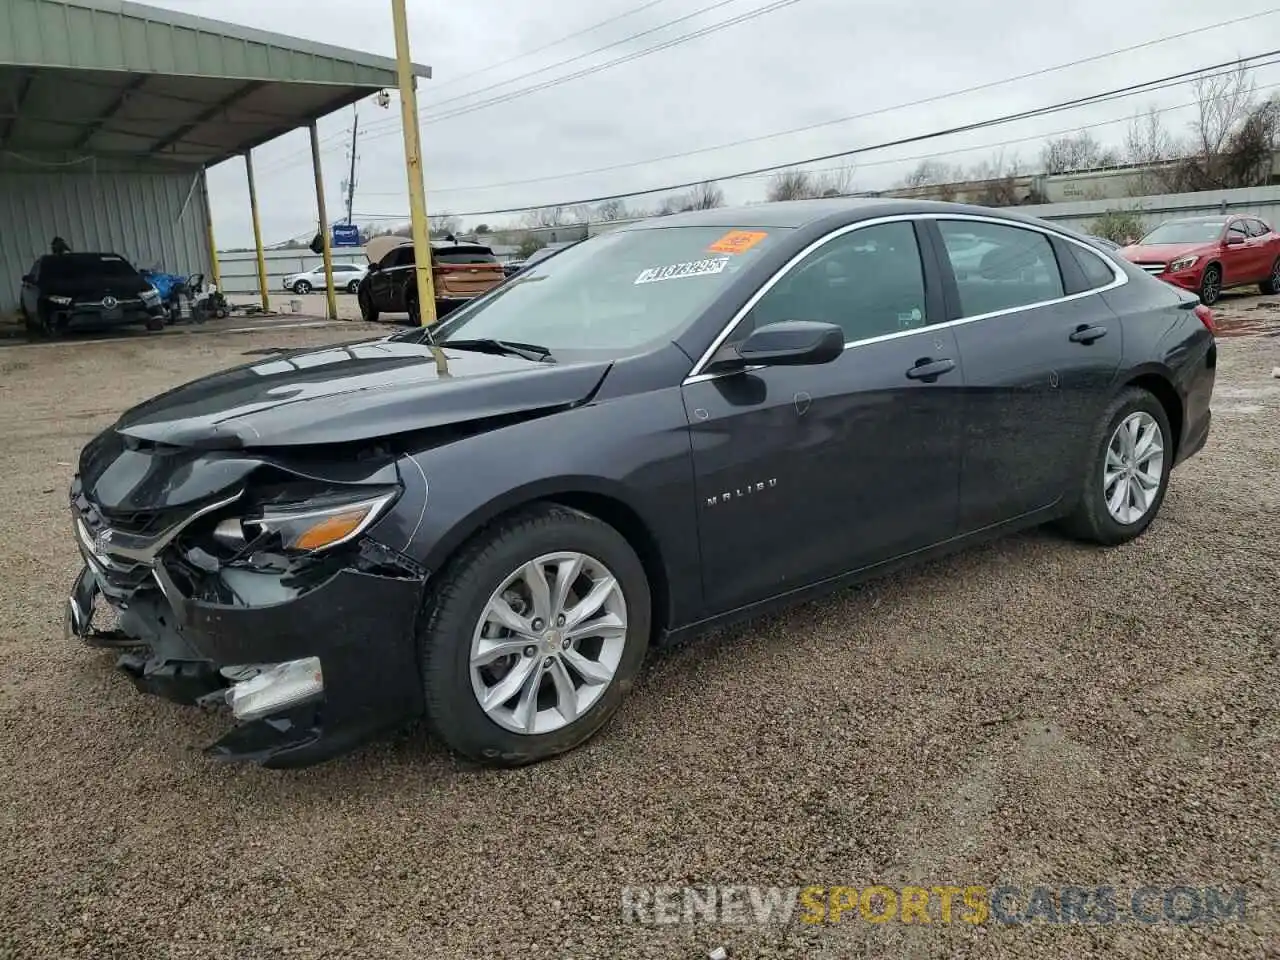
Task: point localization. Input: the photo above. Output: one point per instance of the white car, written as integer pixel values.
(346, 276)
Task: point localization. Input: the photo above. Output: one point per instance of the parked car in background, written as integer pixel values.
(673, 426)
(461, 272)
(68, 291)
(1210, 254)
(1102, 242)
(346, 276)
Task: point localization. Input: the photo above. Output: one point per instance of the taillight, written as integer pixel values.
(1206, 317)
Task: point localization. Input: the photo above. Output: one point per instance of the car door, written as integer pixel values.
(807, 472)
(1040, 354)
(1237, 255)
(1262, 249)
(382, 280)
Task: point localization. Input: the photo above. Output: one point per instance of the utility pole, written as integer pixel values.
(350, 185)
(413, 164)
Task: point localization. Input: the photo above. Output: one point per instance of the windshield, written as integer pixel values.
(1185, 231)
(77, 266)
(612, 294)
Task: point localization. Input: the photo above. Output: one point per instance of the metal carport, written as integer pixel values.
(110, 111)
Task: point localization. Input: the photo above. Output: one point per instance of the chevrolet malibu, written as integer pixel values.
(678, 424)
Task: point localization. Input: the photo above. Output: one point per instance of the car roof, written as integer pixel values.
(803, 213)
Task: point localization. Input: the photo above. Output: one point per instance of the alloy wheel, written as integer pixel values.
(1210, 287)
(548, 643)
(1133, 468)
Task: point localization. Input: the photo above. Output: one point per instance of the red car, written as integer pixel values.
(1209, 254)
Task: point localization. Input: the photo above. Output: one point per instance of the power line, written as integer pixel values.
(1186, 76)
(273, 167)
(924, 101)
(554, 43)
(429, 118)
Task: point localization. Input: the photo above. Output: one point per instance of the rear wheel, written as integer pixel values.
(1271, 285)
(368, 312)
(1211, 285)
(302, 287)
(533, 636)
(1126, 473)
(353, 286)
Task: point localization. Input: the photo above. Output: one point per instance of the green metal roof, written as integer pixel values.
(115, 78)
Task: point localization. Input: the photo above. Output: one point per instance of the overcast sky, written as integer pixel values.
(807, 62)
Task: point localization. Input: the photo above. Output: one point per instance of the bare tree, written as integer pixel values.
(928, 173)
(789, 185)
(833, 183)
(546, 217)
(1251, 147)
(999, 181)
(612, 210)
(443, 225)
(705, 196)
(1078, 151)
(1224, 101)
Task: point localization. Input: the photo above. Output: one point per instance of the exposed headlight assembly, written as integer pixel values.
(309, 526)
(1182, 263)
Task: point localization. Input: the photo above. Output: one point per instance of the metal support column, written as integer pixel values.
(257, 233)
(413, 164)
(214, 267)
(326, 241)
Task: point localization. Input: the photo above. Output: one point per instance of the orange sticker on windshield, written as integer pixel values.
(737, 241)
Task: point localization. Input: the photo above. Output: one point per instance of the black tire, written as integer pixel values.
(1271, 285)
(353, 286)
(415, 315)
(1091, 520)
(458, 601)
(368, 312)
(301, 288)
(155, 323)
(1211, 285)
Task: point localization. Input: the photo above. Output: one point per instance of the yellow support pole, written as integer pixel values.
(413, 164)
(325, 241)
(257, 233)
(214, 266)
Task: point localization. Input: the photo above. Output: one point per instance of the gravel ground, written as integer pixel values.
(1034, 712)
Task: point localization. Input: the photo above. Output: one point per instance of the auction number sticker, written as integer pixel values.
(691, 268)
(737, 241)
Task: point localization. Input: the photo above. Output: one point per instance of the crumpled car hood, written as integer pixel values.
(351, 392)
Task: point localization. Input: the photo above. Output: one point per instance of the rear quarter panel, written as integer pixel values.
(1163, 336)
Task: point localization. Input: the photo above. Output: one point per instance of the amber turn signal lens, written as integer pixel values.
(330, 530)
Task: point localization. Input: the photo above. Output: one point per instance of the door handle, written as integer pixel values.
(1087, 334)
(929, 370)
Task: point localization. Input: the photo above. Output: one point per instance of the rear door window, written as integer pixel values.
(1000, 267)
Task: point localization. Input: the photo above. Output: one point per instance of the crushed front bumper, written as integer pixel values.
(358, 624)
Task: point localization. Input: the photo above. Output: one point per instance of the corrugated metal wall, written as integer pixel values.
(1080, 215)
(153, 219)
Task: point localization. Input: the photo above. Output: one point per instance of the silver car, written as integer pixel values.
(346, 276)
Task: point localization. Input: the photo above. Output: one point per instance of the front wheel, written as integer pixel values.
(1126, 472)
(368, 312)
(533, 636)
(301, 287)
(1211, 285)
(1271, 285)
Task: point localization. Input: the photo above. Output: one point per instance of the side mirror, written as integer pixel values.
(1234, 239)
(28, 278)
(790, 343)
(373, 268)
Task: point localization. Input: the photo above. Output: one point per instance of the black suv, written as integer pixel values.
(69, 290)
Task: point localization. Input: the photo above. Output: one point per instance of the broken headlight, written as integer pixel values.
(308, 525)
